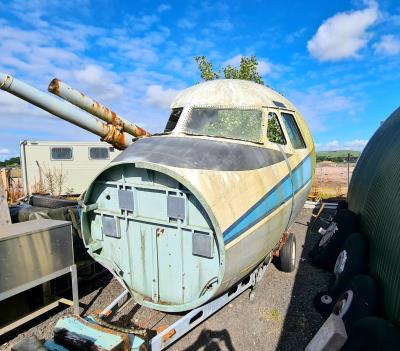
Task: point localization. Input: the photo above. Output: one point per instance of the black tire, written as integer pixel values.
(50, 202)
(371, 334)
(326, 250)
(342, 205)
(359, 301)
(324, 302)
(287, 255)
(351, 261)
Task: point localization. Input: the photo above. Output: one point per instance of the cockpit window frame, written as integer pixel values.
(171, 124)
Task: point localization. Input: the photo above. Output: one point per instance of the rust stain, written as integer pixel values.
(54, 86)
(104, 113)
(140, 132)
(114, 136)
(282, 241)
(169, 335)
(159, 231)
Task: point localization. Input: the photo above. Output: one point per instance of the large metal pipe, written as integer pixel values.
(64, 110)
(95, 108)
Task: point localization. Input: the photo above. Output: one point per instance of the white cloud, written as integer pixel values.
(142, 22)
(163, 7)
(233, 61)
(318, 104)
(4, 151)
(291, 37)
(157, 96)
(224, 25)
(388, 45)
(343, 35)
(334, 144)
(264, 66)
(185, 23)
(356, 144)
(101, 82)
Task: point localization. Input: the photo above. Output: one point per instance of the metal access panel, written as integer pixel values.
(32, 250)
(202, 245)
(176, 207)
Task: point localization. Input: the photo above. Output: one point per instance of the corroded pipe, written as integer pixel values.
(95, 108)
(66, 111)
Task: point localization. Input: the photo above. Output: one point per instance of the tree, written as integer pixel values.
(246, 71)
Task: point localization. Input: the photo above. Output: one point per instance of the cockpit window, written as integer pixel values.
(274, 130)
(173, 119)
(226, 123)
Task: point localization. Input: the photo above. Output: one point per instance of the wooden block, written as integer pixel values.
(330, 337)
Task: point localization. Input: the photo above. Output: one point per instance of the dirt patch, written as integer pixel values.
(331, 180)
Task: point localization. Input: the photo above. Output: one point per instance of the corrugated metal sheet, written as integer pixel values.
(374, 192)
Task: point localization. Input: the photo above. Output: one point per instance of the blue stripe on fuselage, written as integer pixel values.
(276, 197)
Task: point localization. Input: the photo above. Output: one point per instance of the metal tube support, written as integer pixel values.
(114, 305)
(93, 107)
(64, 110)
(75, 294)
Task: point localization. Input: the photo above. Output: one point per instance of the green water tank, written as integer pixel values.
(373, 193)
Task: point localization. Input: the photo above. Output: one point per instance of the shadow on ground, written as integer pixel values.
(212, 340)
(301, 320)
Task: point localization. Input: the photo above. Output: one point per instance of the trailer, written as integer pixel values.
(70, 165)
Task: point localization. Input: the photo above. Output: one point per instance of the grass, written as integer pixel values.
(338, 153)
(336, 156)
(271, 315)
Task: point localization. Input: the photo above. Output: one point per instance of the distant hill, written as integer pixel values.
(337, 155)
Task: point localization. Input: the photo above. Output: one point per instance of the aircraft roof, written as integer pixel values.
(231, 92)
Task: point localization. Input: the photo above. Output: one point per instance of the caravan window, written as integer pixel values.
(99, 153)
(61, 153)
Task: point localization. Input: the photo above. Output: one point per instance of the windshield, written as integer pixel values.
(226, 123)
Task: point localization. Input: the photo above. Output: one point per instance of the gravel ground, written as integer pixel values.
(281, 317)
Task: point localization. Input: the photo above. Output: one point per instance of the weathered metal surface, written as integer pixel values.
(65, 111)
(31, 250)
(243, 195)
(374, 193)
(230, 92)
(75, 333)
(4, 211)
(95, 108)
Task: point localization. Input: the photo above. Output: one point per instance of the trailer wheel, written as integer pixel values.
(359, 301)
(351, 261)
(323, 303)
(342, 205)
(287, 255)
(326, 250)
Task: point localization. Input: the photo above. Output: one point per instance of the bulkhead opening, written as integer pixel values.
(154, 234)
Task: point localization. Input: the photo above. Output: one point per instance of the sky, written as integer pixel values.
(337, 61)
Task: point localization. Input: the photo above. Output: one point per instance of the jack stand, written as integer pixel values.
(259, 273)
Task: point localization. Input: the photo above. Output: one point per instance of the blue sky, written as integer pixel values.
(337, 61)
